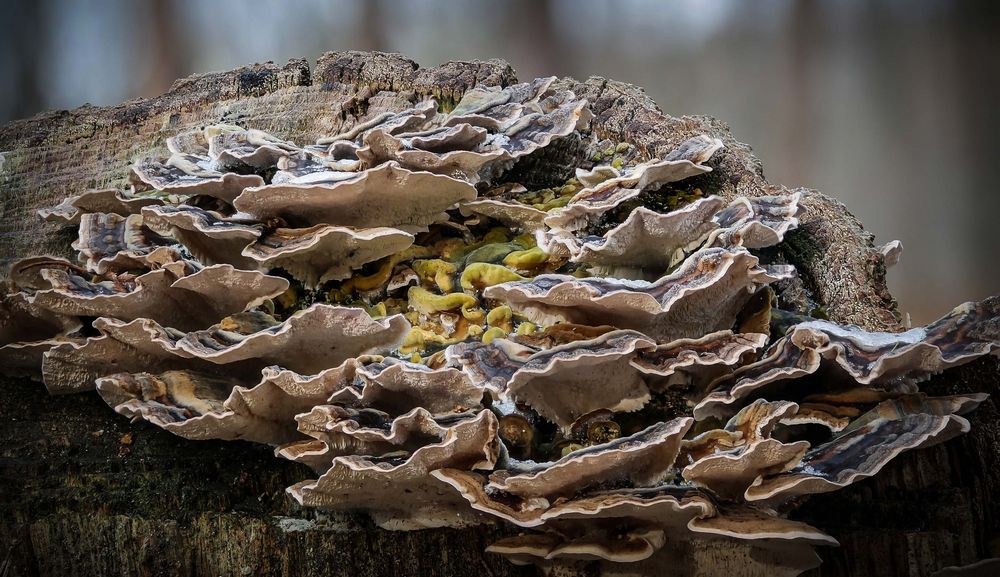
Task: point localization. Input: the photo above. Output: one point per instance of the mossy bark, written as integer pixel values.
(84, 492)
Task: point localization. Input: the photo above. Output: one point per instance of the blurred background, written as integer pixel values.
(890, 106)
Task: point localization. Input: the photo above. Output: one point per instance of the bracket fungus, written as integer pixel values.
(107, 201)
(596, 357)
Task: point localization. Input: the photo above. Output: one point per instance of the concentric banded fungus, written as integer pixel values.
(757, 222)
(386, 195)
(728, 473)
(28, 330)
(667, 506)
(862, 449)
(753, 524)
(374, 484)
(206, 235)
(640, 543)
(648, 242)
(138, 346)
(188, 175)
(684, 162)
(70, 367)
(569, 381)
(701, 556)
(619, 548)
(459, 317)
(105, 235)
(198, 406)
(675, 306)
(303, 168)
(448, 150)
(309, 341)
(398, 387)
(490, 365)
(642, 459)
(697, 362)
(342, 431)
(323, 253)
(207, 295)
(510, 213)
(964, 334)
(237, 148)
(109, 201)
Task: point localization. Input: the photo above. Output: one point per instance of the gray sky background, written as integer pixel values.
(889, 105)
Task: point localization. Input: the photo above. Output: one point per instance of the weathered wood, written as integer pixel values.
(75, 499)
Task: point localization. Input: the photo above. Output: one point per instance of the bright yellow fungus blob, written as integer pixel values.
(493, 333)
(500, 317)
(426, 302)
(437, 272)
(526, 259)
(480, 275)
(378, 311)
(417, 340)
(526, 328)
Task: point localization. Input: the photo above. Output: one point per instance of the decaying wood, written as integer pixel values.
(83, 492)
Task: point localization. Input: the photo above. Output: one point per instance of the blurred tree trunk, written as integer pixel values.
(373, 22)
(22, 26)
(159, 45)
(84, 492)
(537, 44)
(806, 31)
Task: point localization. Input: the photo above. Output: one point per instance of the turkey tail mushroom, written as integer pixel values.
(464, 312)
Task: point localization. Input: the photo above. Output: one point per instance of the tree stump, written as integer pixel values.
(84, 492)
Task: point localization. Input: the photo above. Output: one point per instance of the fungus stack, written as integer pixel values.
(450, 329)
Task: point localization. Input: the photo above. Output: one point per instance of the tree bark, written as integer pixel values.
(84, 492)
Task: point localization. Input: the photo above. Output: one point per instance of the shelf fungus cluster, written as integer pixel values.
(410, 309)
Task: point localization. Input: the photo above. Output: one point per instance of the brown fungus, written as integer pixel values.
(344, 431)
(568, 381)
(450, 151)
(187, 175)
(696, 362)
(398, 386)
(104, 236)
(237, 148)
(387, 195)
(198, 406)
(201, 297)
(138, 346)
(208, 236)
(648, 243)
(460, 344)
(307, 342)
(589, 204)
(668, 506)
(867, 444)
(27, 331)
(703, 295)
(964, 334)
(110, 201)
(642, 459)
(373, 484)
(619, 548)
(323, 252)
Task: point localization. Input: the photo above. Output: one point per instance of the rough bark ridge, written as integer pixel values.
(83, 492)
